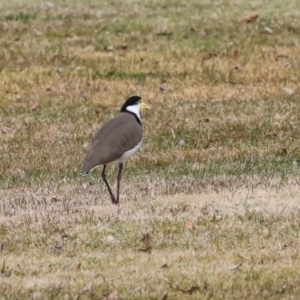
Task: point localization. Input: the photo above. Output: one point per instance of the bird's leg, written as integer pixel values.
(118, 181)
(113, 199)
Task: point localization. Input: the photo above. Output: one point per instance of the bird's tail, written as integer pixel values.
(84, 173)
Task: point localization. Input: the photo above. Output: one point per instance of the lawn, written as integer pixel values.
(209, 205)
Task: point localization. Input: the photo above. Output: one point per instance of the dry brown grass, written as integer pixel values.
(228, 90)
(59, 247)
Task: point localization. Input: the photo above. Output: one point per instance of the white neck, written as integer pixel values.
(134, 109)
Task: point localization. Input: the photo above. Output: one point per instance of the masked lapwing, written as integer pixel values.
(116, 141)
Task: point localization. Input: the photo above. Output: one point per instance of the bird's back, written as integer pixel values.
(120, 134)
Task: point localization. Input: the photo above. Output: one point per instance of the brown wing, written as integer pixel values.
(120, 134)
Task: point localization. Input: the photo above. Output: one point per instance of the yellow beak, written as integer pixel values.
(144, 105)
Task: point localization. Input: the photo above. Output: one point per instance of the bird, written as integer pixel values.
(116, 141)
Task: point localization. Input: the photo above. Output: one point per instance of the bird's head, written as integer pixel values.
(134, 104)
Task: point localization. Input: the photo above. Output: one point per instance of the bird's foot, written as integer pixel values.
(114, 201)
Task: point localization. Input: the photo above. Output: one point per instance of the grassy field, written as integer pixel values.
(210, 204)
